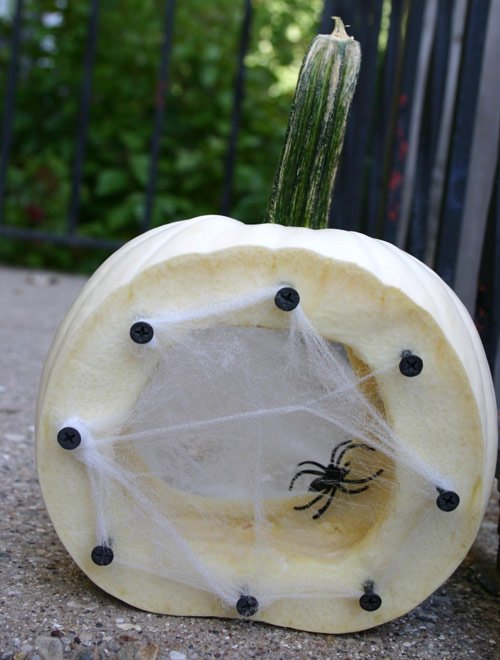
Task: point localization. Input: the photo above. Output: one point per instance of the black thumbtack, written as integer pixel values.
(247, 605)
(287, 299)
(369, 601)
(102, 555)
(69, 438)
(447, 500)
(410, 365)
(141, 332)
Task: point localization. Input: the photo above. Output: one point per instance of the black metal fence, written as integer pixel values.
(420, 164)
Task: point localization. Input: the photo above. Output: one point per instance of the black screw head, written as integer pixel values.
(447, 500)
(247, 605)
(287, 299)
(141, 332)
(69, 438)
(410, 365)
(370, 602)
(102, 555)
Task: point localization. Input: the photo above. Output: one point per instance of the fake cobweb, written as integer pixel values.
(254, 449)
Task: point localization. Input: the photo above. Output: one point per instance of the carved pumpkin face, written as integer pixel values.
(270, 421)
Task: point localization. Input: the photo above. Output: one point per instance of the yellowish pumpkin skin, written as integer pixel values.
(359, 291)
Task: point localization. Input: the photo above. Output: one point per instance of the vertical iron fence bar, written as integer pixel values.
(239, 90)
(438, 175)
(402, 111)
(415, 121)
(429, 131)
(439, 71)
(8, 111)
(487, 310)
(458, 164)
(346, 207)
(483, 163)
(495, 331)
(386, 117)
(487, 319)
(385, 76)
(495, 348)
(83, 121)
(159, 120)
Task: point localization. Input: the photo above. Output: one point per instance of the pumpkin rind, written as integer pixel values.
(203, 249)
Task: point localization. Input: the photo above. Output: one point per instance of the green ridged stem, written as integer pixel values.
(303, 185)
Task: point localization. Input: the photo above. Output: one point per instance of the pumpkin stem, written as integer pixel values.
(303, 184)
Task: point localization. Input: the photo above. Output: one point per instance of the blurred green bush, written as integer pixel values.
(199, 102)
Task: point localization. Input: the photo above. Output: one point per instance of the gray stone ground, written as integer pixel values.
(49, 609)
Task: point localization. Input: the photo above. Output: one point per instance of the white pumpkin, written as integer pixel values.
(360, 292)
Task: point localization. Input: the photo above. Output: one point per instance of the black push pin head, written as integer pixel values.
(370, 601)
(102, 555)
(410, 365)
(447, 500)
(141, 332)
(247, 605)
(287, 299)
(69, 438)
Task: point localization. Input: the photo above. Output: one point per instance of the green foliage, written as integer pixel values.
(198, 111)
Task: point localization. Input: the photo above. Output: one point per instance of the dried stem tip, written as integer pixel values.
(339, 30)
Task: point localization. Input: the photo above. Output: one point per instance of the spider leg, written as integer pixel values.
(365, 480)
(352, 492)
(337, 447)
(321, 511)
(299, 474)
(323, 467)
(312, 502)
(352, 446)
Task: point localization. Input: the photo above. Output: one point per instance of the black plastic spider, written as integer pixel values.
(332, 477)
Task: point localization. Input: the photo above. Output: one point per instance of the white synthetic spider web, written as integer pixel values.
(210, 454)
